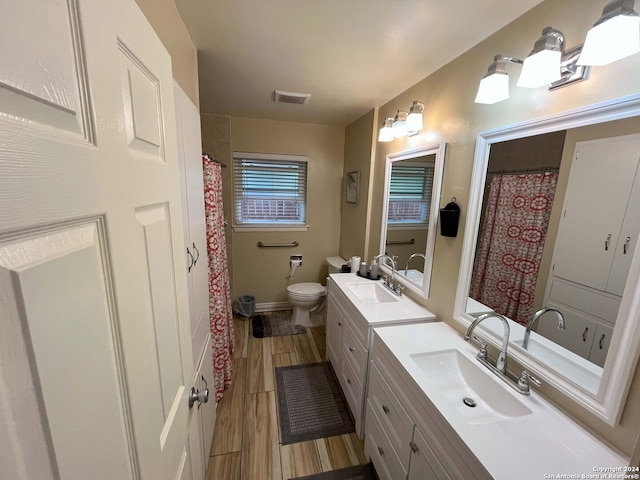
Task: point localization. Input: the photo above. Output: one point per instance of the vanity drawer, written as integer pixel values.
(395, 421)
(352, 388)
(354, 351)
(378, 448)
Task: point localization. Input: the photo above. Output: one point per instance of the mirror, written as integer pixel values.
(411, 204)
(539, 156)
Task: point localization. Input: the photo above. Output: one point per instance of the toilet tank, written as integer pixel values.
(334, 264)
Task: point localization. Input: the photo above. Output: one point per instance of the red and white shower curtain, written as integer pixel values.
(511, 242)
(220, 313)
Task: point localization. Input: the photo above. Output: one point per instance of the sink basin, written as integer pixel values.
(371, 292)
(470, 389)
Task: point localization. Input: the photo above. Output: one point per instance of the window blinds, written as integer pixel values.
(270, 191)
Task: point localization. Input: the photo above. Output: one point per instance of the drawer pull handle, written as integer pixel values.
(601, 343)
(352, 349)
(381, 450)
(606, 242)
(414, 447)
(584, 334)
(625, 247)
(339, 324)
(348, 380)
(385, 409)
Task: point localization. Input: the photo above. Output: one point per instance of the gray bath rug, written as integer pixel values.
(275, 324)
(310, 403)
(359, 472)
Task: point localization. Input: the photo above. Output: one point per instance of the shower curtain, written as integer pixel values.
(510, 247)
(220, 313)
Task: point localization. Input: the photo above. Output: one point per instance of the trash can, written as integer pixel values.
(246, 306)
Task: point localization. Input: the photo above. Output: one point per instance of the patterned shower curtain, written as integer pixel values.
(510, 248)
(220, 313)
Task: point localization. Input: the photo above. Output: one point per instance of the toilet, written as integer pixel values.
(307, 296)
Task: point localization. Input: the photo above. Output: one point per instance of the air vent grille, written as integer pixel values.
(291, 97)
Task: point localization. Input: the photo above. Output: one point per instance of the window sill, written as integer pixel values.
(270, 228)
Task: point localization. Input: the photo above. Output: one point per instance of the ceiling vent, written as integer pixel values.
(291, 97)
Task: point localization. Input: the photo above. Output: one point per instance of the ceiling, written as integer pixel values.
(350, 55)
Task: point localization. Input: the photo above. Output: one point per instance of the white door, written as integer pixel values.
(94, 334)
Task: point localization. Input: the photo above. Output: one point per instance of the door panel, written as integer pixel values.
(66, 315)
(49, 91)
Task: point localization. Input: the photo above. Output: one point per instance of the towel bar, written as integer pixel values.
(270, 245)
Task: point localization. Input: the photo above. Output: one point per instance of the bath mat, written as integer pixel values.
(275, 324)
(358, 472)
(310, 403)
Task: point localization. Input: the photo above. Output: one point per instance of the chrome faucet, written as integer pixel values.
(534, 319)
(395, 288)
(501, 362)
(413, 255)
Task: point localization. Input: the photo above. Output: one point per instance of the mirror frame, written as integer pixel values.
(439, 150)
(608, 402)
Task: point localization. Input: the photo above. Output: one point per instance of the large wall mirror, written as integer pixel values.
(411, 204)
(553, 225)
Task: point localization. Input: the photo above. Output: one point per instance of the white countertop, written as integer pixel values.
(378, 314)
(544, 442)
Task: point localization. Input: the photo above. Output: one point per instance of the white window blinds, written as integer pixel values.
(270, 189)
(410, 194)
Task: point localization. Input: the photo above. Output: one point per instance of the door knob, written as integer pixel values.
(200, 396)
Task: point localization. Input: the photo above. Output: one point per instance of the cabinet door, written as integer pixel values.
(628, 239)
(600, 346)
(602, 176)
(334, 334)
(424, 462)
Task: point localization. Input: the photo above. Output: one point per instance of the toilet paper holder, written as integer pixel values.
(295, 261)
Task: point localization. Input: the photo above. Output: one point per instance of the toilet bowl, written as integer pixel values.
(304, 297)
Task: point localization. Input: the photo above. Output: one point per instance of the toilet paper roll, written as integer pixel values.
(355, 264)
(293, 264)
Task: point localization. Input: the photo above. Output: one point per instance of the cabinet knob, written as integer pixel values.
(414, 447)
(352, 349)
(385, 409)
(606, 242)
(348, 380)
(381, 450)
(339, 324)
(625, 247)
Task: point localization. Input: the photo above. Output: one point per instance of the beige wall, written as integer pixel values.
(167, 22)
(451, 116)
(358, 155)
(261, 271)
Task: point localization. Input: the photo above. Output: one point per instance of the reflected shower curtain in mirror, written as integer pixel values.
(220, 313)
(511, 243)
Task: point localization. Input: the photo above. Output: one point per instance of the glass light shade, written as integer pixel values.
(493, 88)
(400, 125)
(414, 122)
(612, 40)
(386, 134)
(540, 69)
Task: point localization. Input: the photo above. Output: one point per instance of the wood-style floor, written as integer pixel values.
(246, 441)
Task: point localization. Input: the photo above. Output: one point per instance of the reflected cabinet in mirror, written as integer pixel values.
(411, 204)
(551, 242)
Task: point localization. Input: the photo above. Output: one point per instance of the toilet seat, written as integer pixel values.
(306, 290)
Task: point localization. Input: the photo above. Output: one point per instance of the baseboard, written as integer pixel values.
(273, 306)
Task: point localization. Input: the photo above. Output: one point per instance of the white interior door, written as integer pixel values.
(95, 351)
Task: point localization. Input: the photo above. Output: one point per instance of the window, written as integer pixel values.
(270, 190)
(410, 194)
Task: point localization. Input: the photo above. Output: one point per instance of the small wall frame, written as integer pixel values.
(352, 186)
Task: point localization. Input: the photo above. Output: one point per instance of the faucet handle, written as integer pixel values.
(523, 382)
(483, 347)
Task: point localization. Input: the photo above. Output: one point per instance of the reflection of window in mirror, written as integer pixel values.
(408, 211)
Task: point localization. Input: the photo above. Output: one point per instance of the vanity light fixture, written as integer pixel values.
(494, 86)
(614, 36)
(400, 124)
(414, 119)
(386, 132)
(542, 66)
(404, 123)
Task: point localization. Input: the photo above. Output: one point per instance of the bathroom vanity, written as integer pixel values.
(433, 411)
(356, 305)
